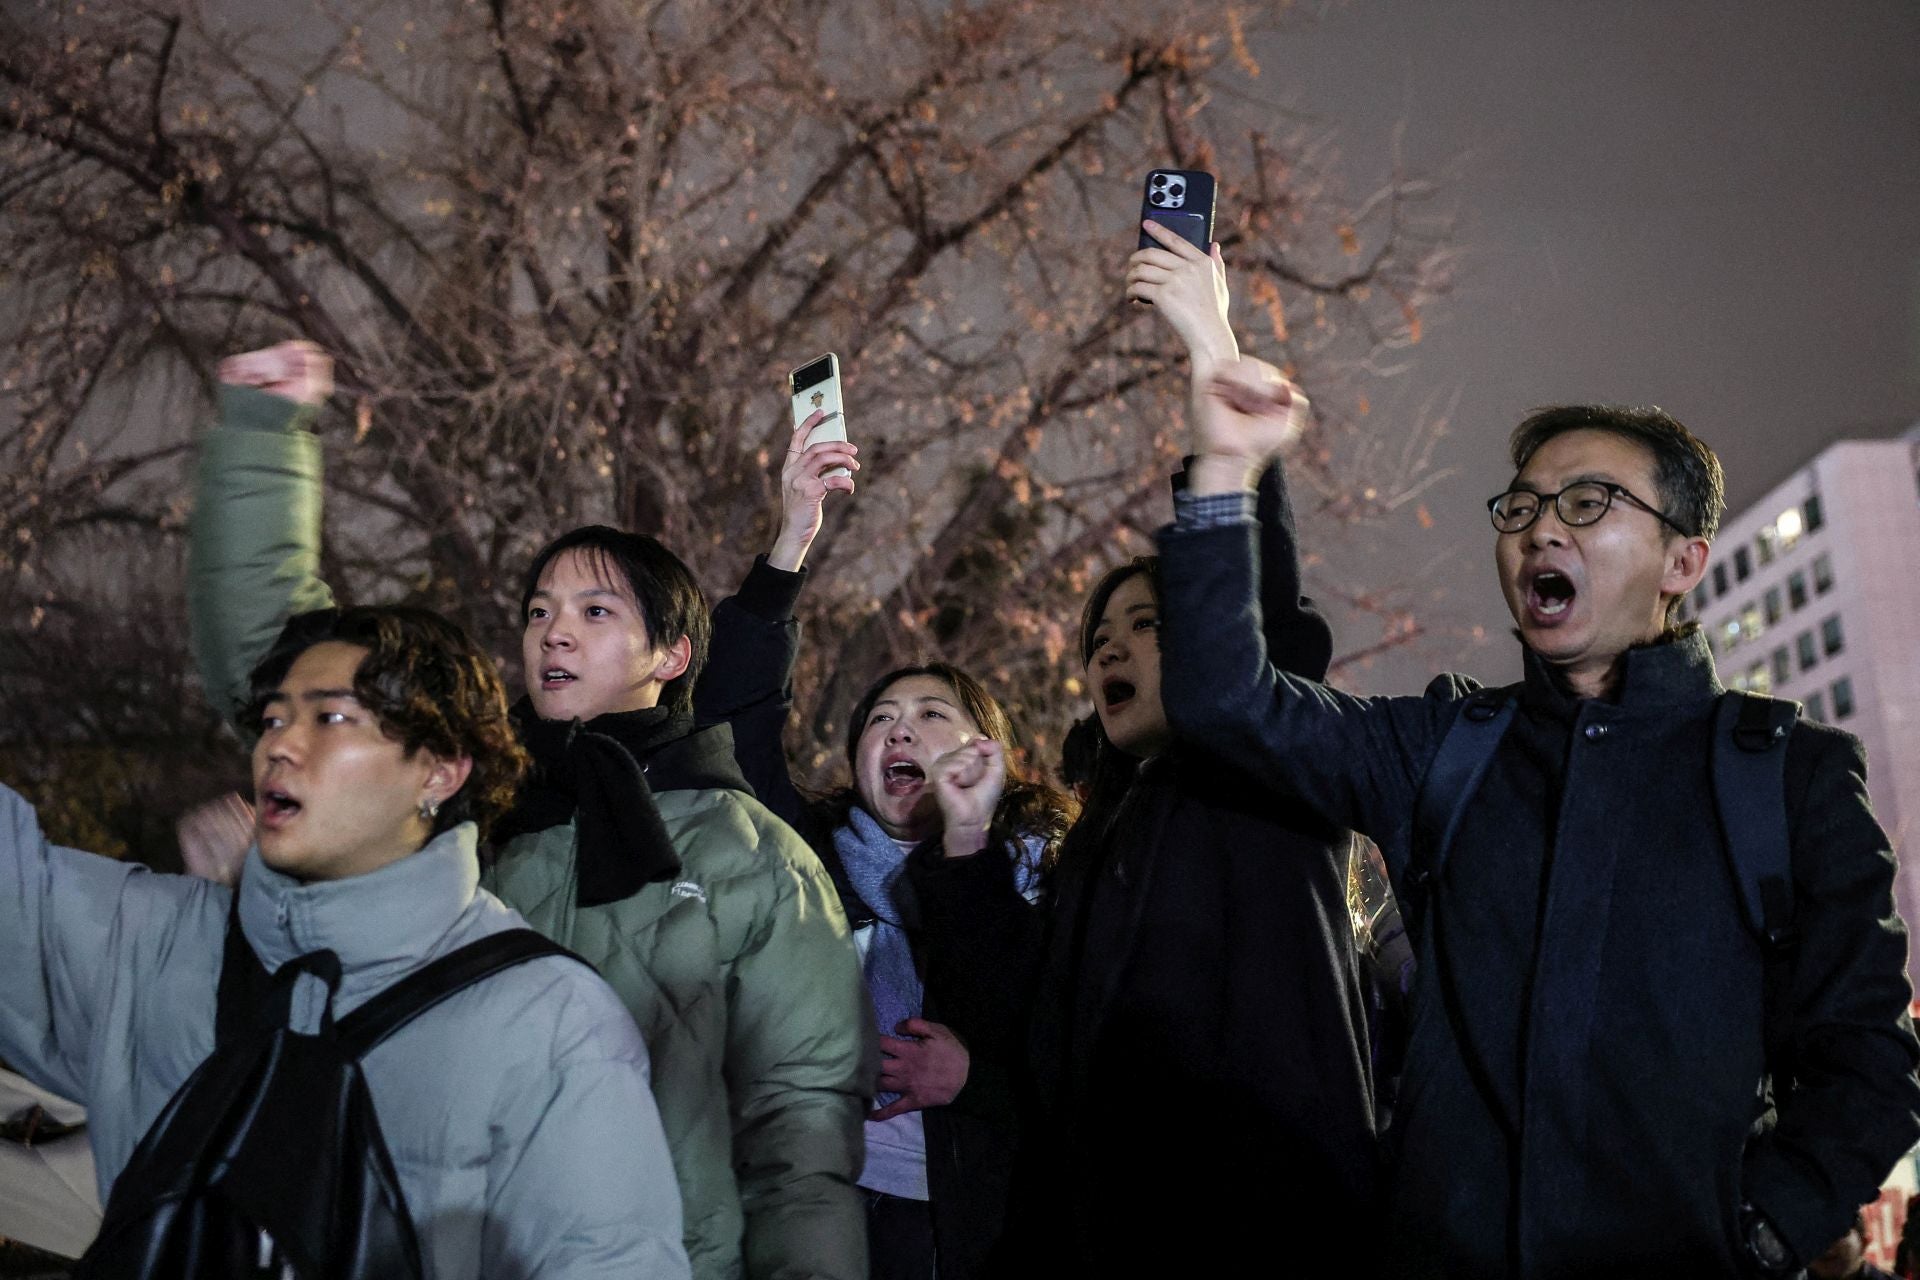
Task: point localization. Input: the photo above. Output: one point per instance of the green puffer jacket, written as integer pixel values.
(740, 972)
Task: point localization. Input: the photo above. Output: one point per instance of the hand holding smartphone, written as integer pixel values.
(1175, 269)
(815, 388)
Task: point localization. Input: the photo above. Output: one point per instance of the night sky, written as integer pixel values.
(1712, 207)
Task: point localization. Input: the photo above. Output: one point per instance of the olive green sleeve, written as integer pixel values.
(253, 555)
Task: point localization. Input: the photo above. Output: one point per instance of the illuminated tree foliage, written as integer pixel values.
(565, 250)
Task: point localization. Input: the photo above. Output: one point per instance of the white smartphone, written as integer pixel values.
(816, 385)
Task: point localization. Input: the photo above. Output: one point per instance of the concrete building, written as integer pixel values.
(1814, 595)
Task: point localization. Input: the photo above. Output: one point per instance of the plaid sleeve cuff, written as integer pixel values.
(1211, 511)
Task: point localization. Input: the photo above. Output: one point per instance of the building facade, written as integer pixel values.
(1814, 594)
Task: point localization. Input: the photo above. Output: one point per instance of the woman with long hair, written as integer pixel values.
(937, 844)
(1200, 1068)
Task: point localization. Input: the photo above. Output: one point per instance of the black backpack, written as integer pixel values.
(268, 1163)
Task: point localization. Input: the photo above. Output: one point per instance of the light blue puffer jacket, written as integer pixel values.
(517, 1111)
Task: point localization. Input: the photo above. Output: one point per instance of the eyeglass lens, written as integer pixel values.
(1578, 504)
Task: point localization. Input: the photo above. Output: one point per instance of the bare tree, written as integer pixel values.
(102, 723)
(564, 249)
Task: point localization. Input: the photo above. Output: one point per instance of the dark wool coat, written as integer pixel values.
(1592, 1102)
(975, 949)
(1200, 1071)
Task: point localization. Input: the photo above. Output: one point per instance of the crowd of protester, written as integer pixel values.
(585, 983)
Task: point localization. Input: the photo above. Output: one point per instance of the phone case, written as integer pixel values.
(1182, 201)
(820, 395)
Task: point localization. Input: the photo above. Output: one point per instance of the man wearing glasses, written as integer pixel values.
(1611, 1073)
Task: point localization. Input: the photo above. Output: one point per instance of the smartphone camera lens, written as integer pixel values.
(1166, 191)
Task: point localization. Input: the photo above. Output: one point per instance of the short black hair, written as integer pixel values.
(1690, 488)
(671, 602)
(427, 685)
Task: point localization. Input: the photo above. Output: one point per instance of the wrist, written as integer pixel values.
(1213, 350)
(790, 550)
(1212, 473)
(247, 408)
(963, 842)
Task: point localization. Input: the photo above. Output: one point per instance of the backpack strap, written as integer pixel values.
(427, 986)
(1750, 734)
(1749, 789)
(245, 985)
(1457, 769)
(1453, 776)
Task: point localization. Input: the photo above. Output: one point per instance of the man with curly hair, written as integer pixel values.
(382, 751)
(636, 842)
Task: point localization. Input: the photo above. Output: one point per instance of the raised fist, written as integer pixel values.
(296, 371)
(967, 783)
(1248, 410)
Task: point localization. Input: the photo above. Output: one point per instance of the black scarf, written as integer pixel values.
(595, 774)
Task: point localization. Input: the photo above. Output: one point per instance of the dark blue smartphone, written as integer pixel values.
(1182, 201)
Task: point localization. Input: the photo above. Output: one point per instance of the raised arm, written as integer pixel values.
(1299, 639)
(748, 680)
(980, 929)
(1188, 290)
(1354, 762)
(1849, 1105)
(253, 555)
(65, 917)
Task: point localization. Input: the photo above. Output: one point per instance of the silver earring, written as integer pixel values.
(429, 810)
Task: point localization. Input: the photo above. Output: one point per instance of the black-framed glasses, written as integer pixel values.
(1578, 504)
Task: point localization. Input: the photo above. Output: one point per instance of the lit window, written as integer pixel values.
(1775, 605)
(1782, 665)
(1730, 633)
(1788, 527)
(1797, 590)
(1758, 679)
(1750, 624)
(1763, 543)
(1816, 517)
(1831, 640)
(1808, 651)
(1823, 574)
(1817, 708)
(1842, 697)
